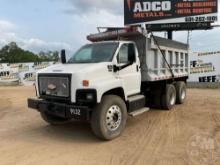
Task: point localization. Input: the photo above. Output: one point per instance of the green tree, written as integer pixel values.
(11, 53)
(49, 56)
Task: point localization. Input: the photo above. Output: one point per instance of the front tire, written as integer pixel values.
(53, 120)
(109, 117)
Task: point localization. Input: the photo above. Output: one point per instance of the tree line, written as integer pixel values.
(12, 53)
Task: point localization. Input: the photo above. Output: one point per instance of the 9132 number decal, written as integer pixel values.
(76, 112)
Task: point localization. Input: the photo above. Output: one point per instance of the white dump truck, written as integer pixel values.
(122, 72)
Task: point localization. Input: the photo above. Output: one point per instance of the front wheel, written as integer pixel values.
(109, 117)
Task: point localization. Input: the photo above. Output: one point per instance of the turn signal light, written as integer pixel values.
(85, 83)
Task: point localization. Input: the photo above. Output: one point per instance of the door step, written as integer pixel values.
(138, 112)
(136, 102)
(136, 98)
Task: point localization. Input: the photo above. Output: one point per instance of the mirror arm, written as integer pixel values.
(117, 68)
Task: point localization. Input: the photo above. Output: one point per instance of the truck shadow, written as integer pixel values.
(75, 132)
(70, 132)
(42, 133)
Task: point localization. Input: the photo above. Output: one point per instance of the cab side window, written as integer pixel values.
(123, 54)
(126, 54)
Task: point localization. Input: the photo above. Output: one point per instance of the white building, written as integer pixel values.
(205, 67)
(20, 72)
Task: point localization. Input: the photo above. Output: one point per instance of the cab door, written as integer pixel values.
(129, 68)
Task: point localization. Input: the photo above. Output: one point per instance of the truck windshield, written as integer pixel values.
(94, 53)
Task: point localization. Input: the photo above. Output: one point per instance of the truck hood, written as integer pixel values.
(75, 68)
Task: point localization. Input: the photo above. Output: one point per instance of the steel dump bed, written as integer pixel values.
(152, 51)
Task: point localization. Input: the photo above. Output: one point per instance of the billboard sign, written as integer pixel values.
(170, 11)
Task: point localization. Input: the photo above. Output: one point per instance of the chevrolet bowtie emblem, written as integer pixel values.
(51, 86)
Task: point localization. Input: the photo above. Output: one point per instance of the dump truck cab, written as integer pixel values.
(98, 67)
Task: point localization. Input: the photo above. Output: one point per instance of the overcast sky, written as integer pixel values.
(57, 24)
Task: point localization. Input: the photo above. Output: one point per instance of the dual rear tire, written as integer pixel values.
(168, 99)
(180, 92)
(173, 94)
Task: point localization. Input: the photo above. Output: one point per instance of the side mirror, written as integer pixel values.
(115, 68)
(63, 56)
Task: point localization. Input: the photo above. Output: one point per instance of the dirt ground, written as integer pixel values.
(189, 134)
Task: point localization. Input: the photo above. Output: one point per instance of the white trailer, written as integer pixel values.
(124, 71)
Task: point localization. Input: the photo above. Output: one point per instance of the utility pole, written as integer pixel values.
(188, 38)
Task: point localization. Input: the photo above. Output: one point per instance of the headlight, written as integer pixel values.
(86, 96)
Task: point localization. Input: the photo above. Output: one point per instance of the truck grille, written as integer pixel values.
(54, 86)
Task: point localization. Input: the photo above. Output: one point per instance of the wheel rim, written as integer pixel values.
(183, 95)
(172, 99)
(113, 118)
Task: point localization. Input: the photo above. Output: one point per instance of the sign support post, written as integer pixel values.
(170, 34)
